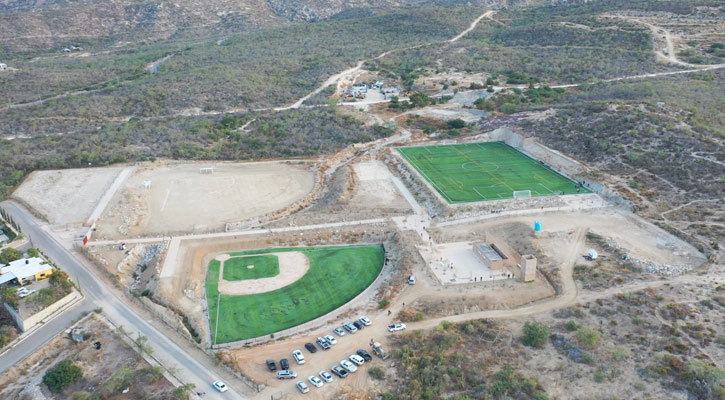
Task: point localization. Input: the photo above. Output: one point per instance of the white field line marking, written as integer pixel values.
(166, 199)
(479, 193)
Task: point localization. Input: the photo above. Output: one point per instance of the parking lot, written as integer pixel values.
(321, 360)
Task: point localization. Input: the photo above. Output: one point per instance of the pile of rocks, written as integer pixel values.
(652, 267)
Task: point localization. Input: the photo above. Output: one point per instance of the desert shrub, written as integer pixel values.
(588, 337)
(376, 373)
(535, 334)
(62, 375)
(619, 353)
(571, 326)
(599, 375)
(383, 304)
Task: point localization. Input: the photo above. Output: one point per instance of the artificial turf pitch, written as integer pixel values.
(470, 172)
(237, 268)
(336, 276)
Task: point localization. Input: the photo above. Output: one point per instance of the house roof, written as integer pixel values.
(22, 269)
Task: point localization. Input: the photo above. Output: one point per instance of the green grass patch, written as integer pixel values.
(237, 268)
(336, 276)
(471, 172)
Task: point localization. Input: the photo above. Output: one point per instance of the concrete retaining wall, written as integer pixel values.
(31, 321)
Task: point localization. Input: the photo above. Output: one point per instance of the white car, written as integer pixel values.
(315, 381)
(299, 358)
(326, 376)
(331, 339)
(220, 386)
(302, 386)
(339, 331)
(398, 326)
(350, 367)
(366, 321)
(26, 293)
(357, 359)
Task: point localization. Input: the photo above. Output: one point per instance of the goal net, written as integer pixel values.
(522, 194)
(206, 170)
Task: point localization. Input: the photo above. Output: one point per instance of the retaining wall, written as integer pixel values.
(31, 321)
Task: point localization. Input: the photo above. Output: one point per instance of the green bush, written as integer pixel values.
(376, 373)
(599, 375)
(535, 334)
(587, 337)
(571, 326)
(10, 254)
(64, 374)
(383, 304)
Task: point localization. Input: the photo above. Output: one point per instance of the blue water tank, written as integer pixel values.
(537, 226)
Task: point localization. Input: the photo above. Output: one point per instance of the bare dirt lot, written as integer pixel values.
(180, 199)
(66, 196)
(107, 371)
(374, 188)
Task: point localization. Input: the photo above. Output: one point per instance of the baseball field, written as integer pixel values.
(471, 172)
(335, 276)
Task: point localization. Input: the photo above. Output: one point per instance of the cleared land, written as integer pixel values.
(181, 199)
(250, 267)
(471, 172)
(336, 276)
(66, 196)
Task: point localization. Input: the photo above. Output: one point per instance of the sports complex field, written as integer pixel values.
(335, 276)
(470, 172)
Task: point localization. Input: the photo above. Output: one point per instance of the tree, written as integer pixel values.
(182, 392)
(9, 255)
(535, 334)
(9, 295)
(456, 124)
(64, 374)
(33, 252)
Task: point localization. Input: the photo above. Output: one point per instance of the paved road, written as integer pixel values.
(198, 369)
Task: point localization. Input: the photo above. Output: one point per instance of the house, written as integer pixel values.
(25, 269)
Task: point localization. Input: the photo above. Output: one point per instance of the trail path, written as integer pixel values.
(472, 26)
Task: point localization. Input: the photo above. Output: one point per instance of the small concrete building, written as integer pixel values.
(25, 269)
(528, 268)
(492, 256)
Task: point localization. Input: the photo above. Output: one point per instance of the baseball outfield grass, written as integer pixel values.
(336, 276)
(470, 172)
(238, 268)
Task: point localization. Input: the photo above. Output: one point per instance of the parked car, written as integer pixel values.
(366, 321)
(349, 327)
(398, 326)
(365, 355)
(26, 293)
(299, 358)
(271, 365)
(357, 359)
(326, 376)
(350, 367)
(359, 325)
(323, 343)
(411, 280)
(286, 374)
(284, 364)
(315, 381)
(311, 347)
(330, 339)
(302, 386)
(220, 386)
(340, 372)
(339, 332)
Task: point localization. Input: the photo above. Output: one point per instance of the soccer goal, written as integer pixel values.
(206, 170)
(522, 194)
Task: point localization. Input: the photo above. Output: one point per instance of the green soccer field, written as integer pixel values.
(336, 276)
(464, 173)
(237, 268)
